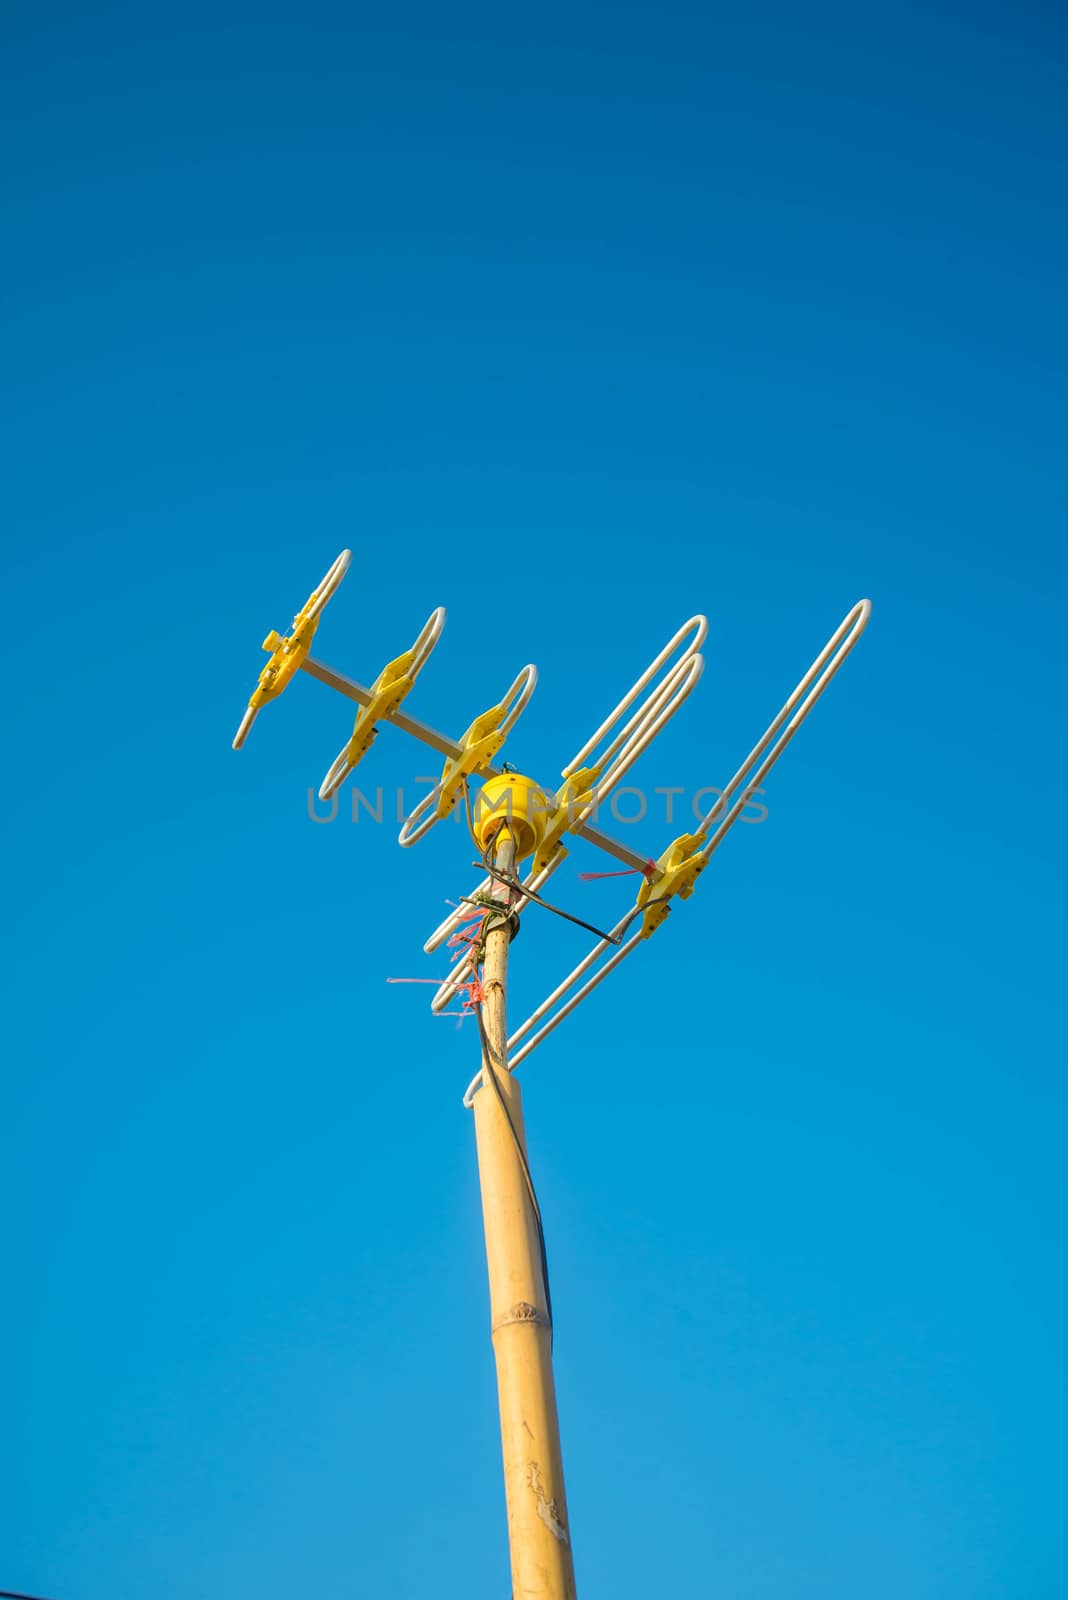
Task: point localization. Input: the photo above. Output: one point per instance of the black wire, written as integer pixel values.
(512, 882)
(477, 942)
(9, 1594)
(530, 894)
(492, 1058)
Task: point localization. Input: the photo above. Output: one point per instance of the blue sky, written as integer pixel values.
(575, 321)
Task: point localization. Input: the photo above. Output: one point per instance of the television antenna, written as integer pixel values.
(514, 820)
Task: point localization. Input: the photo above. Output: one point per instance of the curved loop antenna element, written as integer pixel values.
(288, 653)
(781, 730)
(389, 689)
(477, 748)
(606, 757)
(643, 725)
(682, 863)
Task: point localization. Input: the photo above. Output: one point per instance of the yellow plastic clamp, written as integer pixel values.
(288, 654)
(677, 870)
(387, 693)
(478, 746)
(568, 804)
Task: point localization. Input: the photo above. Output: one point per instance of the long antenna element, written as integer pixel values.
(517, 825)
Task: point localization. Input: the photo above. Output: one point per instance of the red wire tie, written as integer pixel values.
(646, 872)
(459, 937)
(475, 993)
(472, 989)
(474, 996)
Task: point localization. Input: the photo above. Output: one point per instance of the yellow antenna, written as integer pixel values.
(516, 819)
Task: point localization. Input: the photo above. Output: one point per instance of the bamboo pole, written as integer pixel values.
(538, 1533)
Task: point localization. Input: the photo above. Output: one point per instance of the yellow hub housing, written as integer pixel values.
(517, 801)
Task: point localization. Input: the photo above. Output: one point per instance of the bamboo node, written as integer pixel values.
(522, 1311)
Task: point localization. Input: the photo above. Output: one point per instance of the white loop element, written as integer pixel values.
(336, 774)
(424, 814)
(646, 723)
(796, 709)
(800, 703)
(429, 635)
(520, 693)
(410, 834)
(657, 709)
(330, 584)
(251, 713)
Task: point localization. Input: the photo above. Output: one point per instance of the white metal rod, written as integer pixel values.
(565, 1010)
(657, 712)
(700, 626)
(330, 583)
(562, 988)
(514, 1061)
(815, 681)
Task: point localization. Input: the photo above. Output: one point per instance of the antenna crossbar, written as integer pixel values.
(444, 746)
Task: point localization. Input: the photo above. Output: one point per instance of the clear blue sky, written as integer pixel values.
(574, 320)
